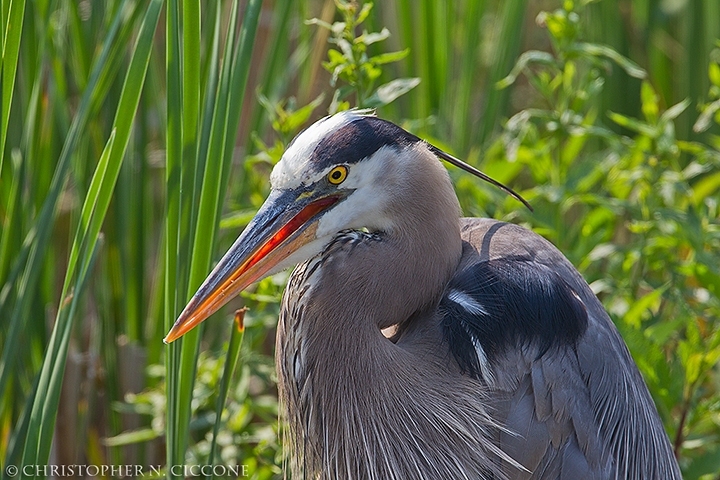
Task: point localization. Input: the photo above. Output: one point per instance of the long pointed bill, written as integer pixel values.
(286, 221)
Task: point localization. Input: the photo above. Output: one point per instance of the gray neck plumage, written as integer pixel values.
(352, 398)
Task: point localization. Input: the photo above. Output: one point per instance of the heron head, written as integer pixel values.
(343, 172)
(335, 175)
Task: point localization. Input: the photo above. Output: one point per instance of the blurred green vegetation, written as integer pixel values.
(137, 137)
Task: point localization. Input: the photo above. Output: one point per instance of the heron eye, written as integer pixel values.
(337, 175)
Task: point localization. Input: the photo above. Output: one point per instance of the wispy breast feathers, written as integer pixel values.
(509, 303)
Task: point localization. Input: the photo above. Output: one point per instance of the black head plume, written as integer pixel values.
(470, 169)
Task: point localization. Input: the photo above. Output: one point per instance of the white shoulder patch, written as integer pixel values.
(291, 171)
(466, 302)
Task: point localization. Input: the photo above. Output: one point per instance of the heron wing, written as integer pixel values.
(520, 318)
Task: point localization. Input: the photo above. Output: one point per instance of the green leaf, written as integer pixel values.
(594, 49)
(299, 117)
(531, 57)
(706, 463)
(649, 101)
(633, 124)
(237, 220)
(364, 12)
(131, 437)
(388, 92)
(390, 57)
(714, 73)
(705, 188)
(641, 307)
(336, 58)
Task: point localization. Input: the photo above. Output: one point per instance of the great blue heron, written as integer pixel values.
(504, 363)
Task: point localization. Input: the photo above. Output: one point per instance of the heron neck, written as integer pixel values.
(337, 303)
(344, 387)
(379, 280)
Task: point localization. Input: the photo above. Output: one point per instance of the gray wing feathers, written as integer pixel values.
(549, 421)
(515, 439)
(575, 413)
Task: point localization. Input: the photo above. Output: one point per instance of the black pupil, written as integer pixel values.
(336, 175)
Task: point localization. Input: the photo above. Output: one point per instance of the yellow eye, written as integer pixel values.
(337, 175)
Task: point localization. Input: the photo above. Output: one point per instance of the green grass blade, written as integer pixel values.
(231, 357)
(229, 102)
(508, 47)
(12, 219)
(27, 267)
(11, 34)
(191, 88)
(241, 70)
(226, 116)
(408, 26)
(461, 104)
(13, 455)
(44, 407)
(173, 152)
(177, 410)
(273, 64)
(85, 246)
(191, 75)
(47, 396)
(208, 107)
